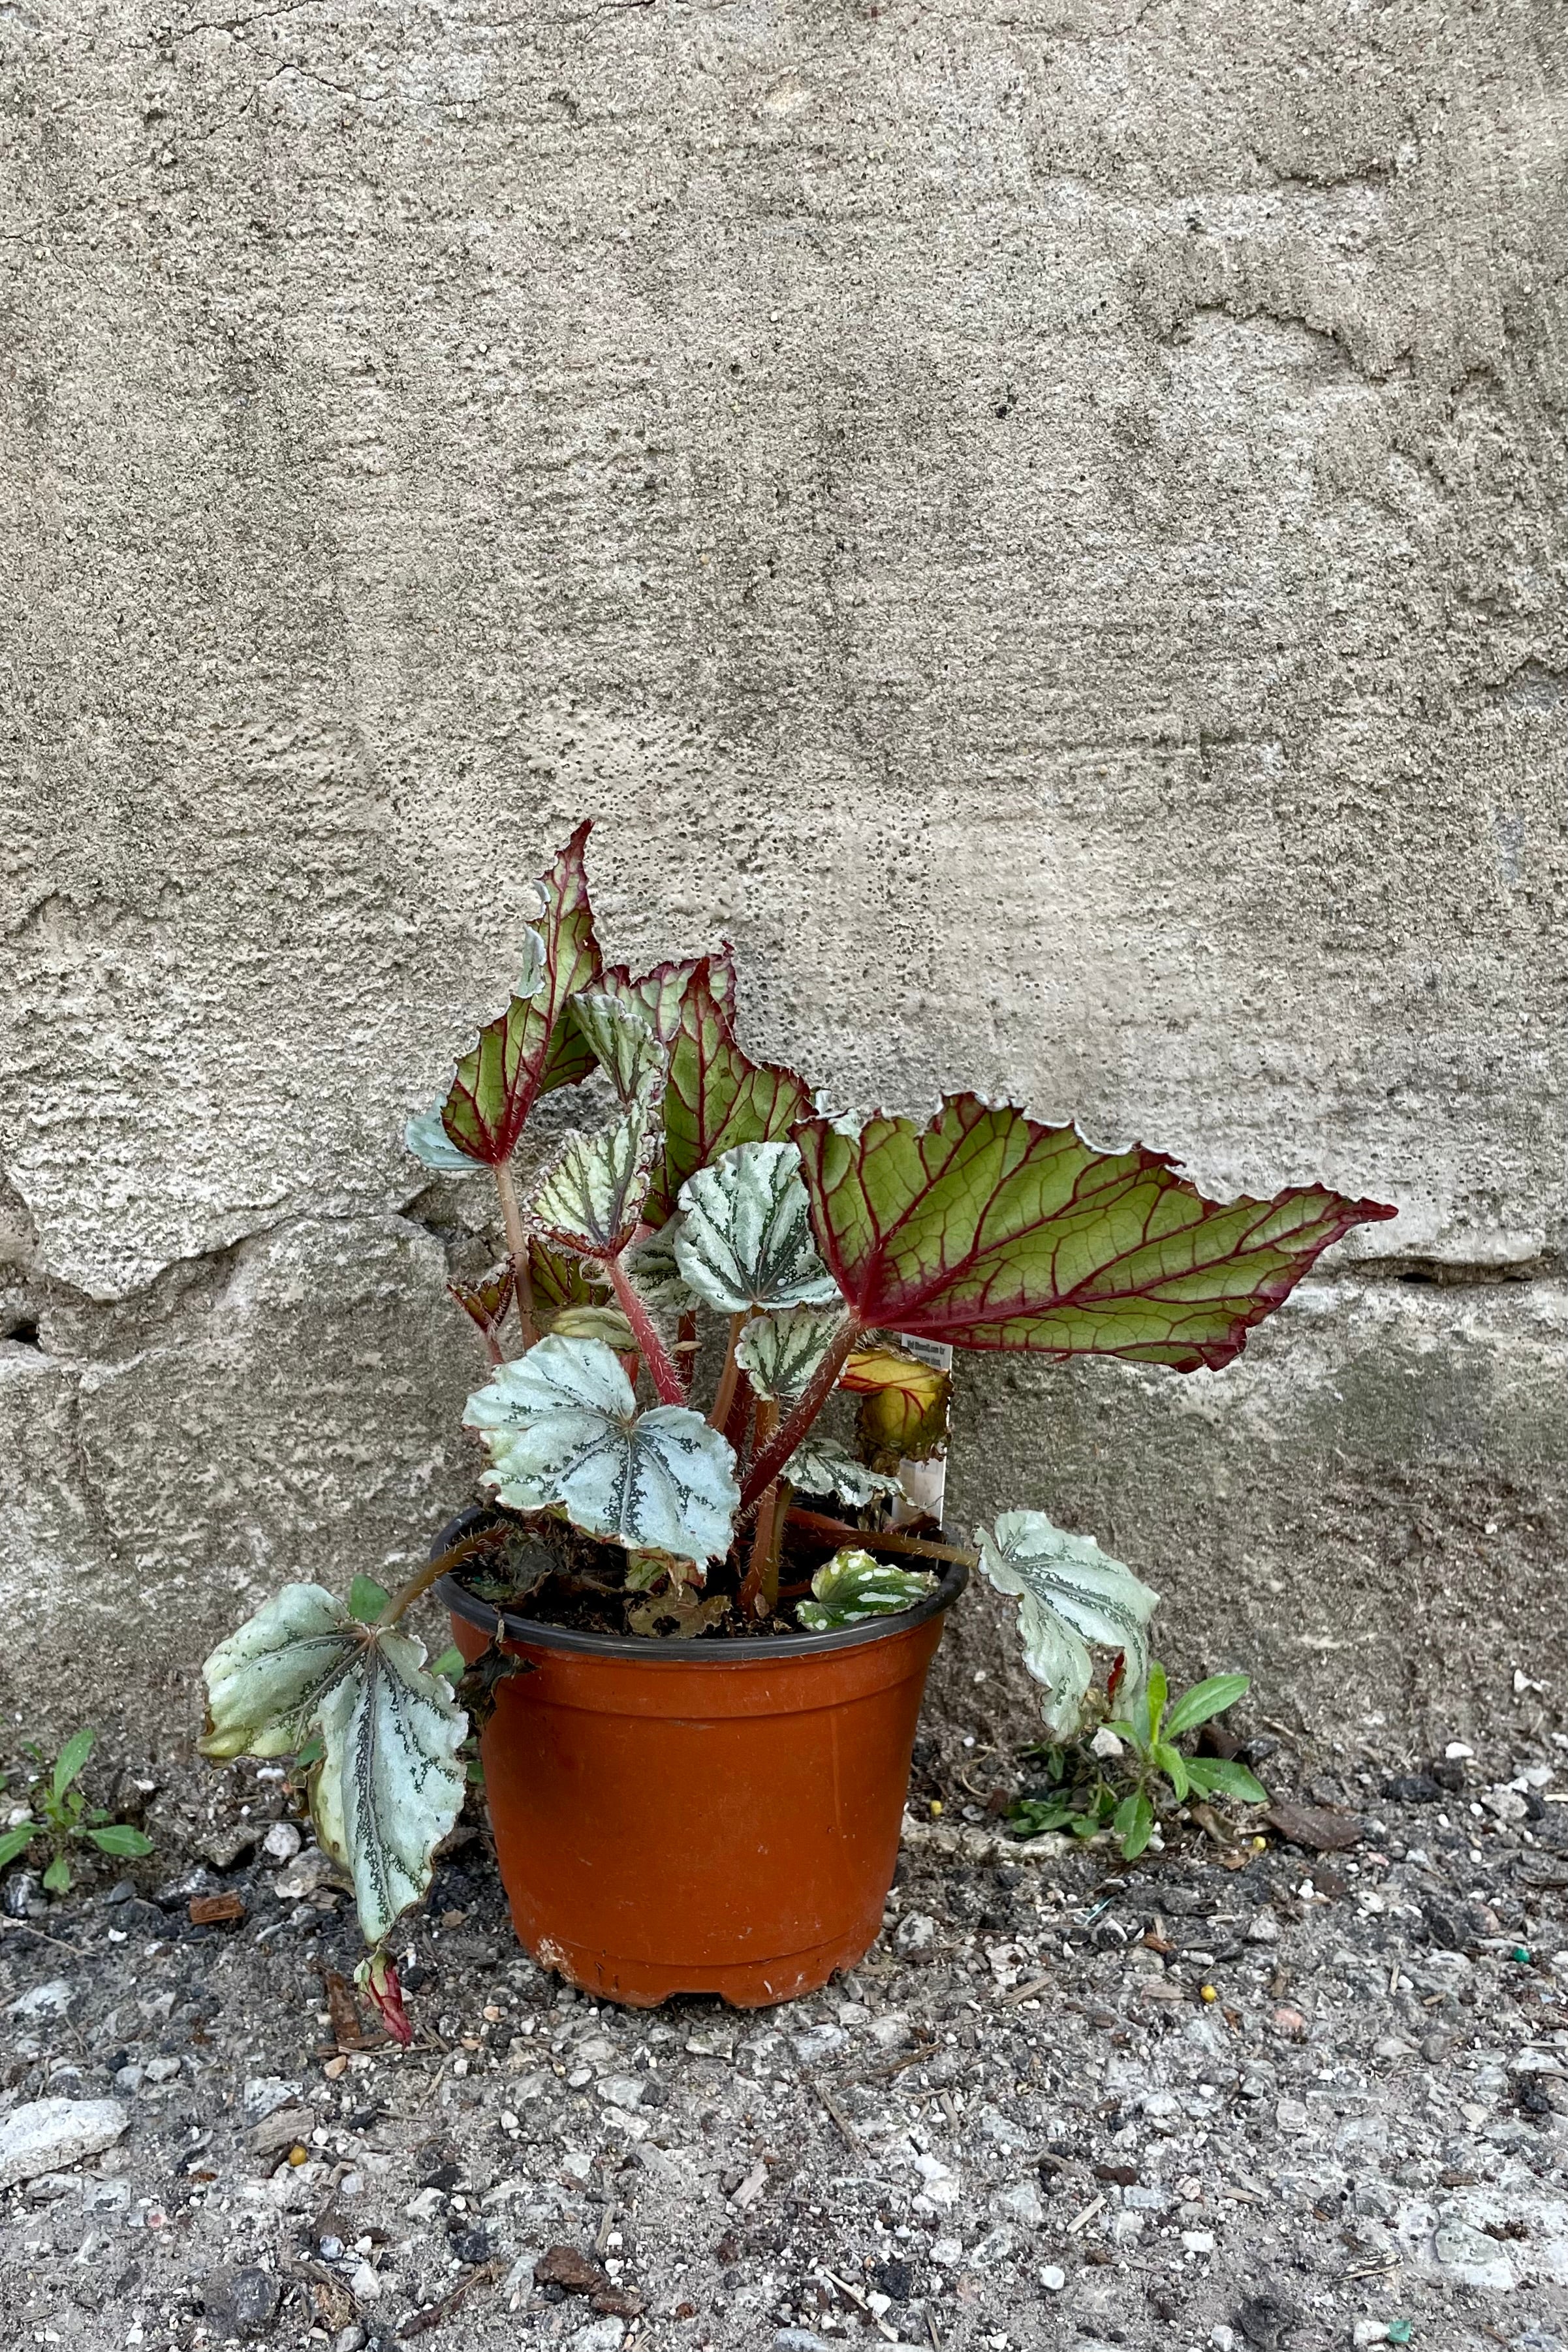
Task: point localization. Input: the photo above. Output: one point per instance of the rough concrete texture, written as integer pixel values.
(1044, 521)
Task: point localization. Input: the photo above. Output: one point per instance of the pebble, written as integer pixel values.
(604, 2335)
(1291, 2116)
(800, 2339)
(1022, 2201)
(623, 2090)
(1053, 2279)
(1369, 2331)
(283, 1842)
(241, 2300)
(364, 2283)
(264, 2093)
(49, 2133)
(305, 1875)
(51, 1999)
(915, 1934)
(1198, 2241)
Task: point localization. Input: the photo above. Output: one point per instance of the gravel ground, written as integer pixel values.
(1228, 2098)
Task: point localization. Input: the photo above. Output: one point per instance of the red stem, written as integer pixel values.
(770, 1458)
(517, 1247)
(666, 1378)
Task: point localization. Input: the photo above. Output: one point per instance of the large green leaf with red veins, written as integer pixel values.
(534, 1045)
(717, 1096)
(661, 993)
(986, 1230)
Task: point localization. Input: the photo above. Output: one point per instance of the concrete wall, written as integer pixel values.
(1044, 519)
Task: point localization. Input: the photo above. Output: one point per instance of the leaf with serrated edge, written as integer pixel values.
(779, 1353)
(661, 993)
(1071, 1593)
(266, 1683)
(559, 1279)
(822, 1467)
(486, 1302)
(987, 1230)
(591, 1201)
(651, 1266)
(389, 1786)
(623, 1042)
(717, 1095)
(852, 1587)
(744, 1238)
(904, 1404)
(562, 1427)
(530, 1049)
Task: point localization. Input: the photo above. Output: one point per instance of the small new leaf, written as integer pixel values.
(745, 1240)
(486, 1302)
(623, 1042)
(778, 1353)
(1204, 1700)
(367, 1599)
(904, 1407)
(852, 1587)
(1070, 1593)
(820, 1465)
(591, 1199)
(71, 1759)
(563, 1428)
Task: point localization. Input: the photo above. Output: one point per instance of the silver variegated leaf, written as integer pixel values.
(562, 1427)
(624, 1043)
(655, 1276)
(822, 1467)
(429, 1141)
(266, 1683)
(853, 1586)
(745, 1237)
(591, 1200)
(530, 979)
(389, 1786)
(1070, 1593)
(778, 1353)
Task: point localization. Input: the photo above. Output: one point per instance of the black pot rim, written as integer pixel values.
(778, 1647)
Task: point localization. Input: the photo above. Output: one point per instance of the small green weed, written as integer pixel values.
(1087, 1791)
(57, 1812)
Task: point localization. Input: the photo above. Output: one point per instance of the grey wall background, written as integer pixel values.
(1043, 519)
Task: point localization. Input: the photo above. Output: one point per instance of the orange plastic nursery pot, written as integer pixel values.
(705, 1816)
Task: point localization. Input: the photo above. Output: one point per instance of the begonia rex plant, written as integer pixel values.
(690, 1280)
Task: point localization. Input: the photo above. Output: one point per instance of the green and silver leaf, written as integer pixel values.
(822, 1467)
(655, 1275)
(267, 1681)
(428, 1140)
(623, 1044)
(1070, 1593)
(389, 1786)
(853, 1586)
(778, 1353)
(591, 1201)
(745, 1238)
(563, 1428)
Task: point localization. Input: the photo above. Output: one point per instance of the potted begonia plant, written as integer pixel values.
(694, 1614)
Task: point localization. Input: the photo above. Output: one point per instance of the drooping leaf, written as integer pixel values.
(533, 1047)
(717, 1095)
(1204, 1700)
(1071, 1593)
(1134, 1825)
(779, 1353)
(623, 1042)
(677, 1616)
(562, 1427)
(561, 1279)
(266, 1683)
(852, 1586)
(905, 1404)
(987, 1230)
(591, 1200)
(745, 1237)
(127, 1845)
(820, 1465)
(488, 1301)
(661, 993)
(389, 1786)
(428, 1140)
(71, 1759)
(1173, 1764)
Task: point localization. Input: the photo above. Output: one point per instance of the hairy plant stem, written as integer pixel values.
(666, 1380)
(724, 1396)
(517, 1249)
(760, 1587)
(770, 1457)
(840, 1531)
(431, 1573)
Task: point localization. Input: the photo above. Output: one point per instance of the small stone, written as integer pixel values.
(307, 1875)
(1198, 2241)
(283, 1842)
(915, 1935)
(264, 2093)
(161, 2070)
(1021, 2201)
(1265, 2320)
(1291, 2116)
(426, 2205)
(625, 2091)
(240, 2301)
(1456, 1749)
(1369, 2331)
(1413, 1788)
(1106, 1744)
(800, 2339)
(1053, 2278)
(49, 2133)
(364, 2283)
(601, 2335)
(51, 1999)
(130, 2078)
(1265, 1929)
